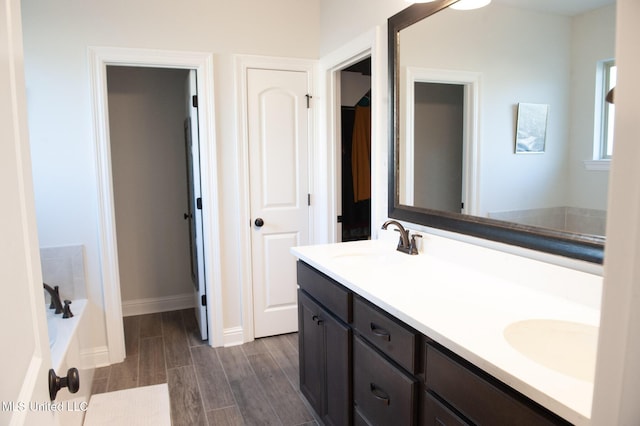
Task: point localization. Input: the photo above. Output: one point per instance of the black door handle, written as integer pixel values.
(259, 222)
(71, 381)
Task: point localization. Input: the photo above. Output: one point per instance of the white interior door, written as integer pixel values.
(194, 213)
(278, 156)
(26, 358)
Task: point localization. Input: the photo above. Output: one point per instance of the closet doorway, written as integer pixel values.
(155, 163)
(354, 188)
(99, 59)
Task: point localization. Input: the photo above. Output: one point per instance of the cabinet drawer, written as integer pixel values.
(435, 413)
(390, 336)
(383, 394)
(479, 397)
(328, 292)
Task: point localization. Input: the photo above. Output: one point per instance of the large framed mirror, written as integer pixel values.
(494, 121)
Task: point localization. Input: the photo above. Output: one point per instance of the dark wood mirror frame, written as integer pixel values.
(577, 246)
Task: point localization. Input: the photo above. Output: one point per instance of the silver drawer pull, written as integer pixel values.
(380, 332)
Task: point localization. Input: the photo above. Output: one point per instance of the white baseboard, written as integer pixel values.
(233, 336)
(157, 304)
(95, 357)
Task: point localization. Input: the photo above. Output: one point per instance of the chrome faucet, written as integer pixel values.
(55, 298)
(407, 242)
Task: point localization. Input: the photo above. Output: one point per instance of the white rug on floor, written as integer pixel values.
(148, 405)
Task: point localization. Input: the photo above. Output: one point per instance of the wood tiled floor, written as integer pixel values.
(252, 384)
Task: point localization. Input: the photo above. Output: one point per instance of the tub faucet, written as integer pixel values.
(55, 298)
(407, 242)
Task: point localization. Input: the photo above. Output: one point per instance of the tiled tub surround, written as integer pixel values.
(570, 219)
(64, 267)
(464, 297)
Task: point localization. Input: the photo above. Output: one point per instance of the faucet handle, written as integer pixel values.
(413, 249)
(57, 291)
(66, 311)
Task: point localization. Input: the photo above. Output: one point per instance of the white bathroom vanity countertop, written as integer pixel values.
(464, 297)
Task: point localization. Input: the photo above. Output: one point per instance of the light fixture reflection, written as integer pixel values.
(469, 4)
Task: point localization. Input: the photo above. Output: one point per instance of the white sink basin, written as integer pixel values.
(567, 347)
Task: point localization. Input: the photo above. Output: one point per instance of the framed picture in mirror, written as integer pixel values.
(531, 128)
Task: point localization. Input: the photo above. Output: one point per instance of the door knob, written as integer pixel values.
(71, 381)
(259, 222)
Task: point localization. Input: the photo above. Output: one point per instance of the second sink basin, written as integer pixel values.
(564, 346)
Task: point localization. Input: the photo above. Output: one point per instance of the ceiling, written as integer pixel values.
(563, 7)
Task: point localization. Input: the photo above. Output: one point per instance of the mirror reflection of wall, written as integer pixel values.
(524, 56)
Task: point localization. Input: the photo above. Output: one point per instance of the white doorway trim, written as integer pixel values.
(366, 45)
(99, 58)
(470, 135)
(242, 64)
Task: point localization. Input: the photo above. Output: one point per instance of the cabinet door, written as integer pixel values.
(311, 351)
(325, 362)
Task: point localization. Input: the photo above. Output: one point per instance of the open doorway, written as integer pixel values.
(354, 198)
(151, 145)
(202, 63)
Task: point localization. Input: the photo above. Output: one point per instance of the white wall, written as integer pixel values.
(148, 158)
(56, 36)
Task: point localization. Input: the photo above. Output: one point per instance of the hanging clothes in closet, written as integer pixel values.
(356, 212)
(361, 151)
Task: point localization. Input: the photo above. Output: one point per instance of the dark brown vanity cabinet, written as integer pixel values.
(324, 346)
(360, 365)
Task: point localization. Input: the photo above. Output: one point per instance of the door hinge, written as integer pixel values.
(194, 101)
(203, 300)
(308, 199)
(199, 203)
(340, 219)
(308, 100)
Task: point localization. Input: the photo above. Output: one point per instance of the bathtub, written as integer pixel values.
(65, 353)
